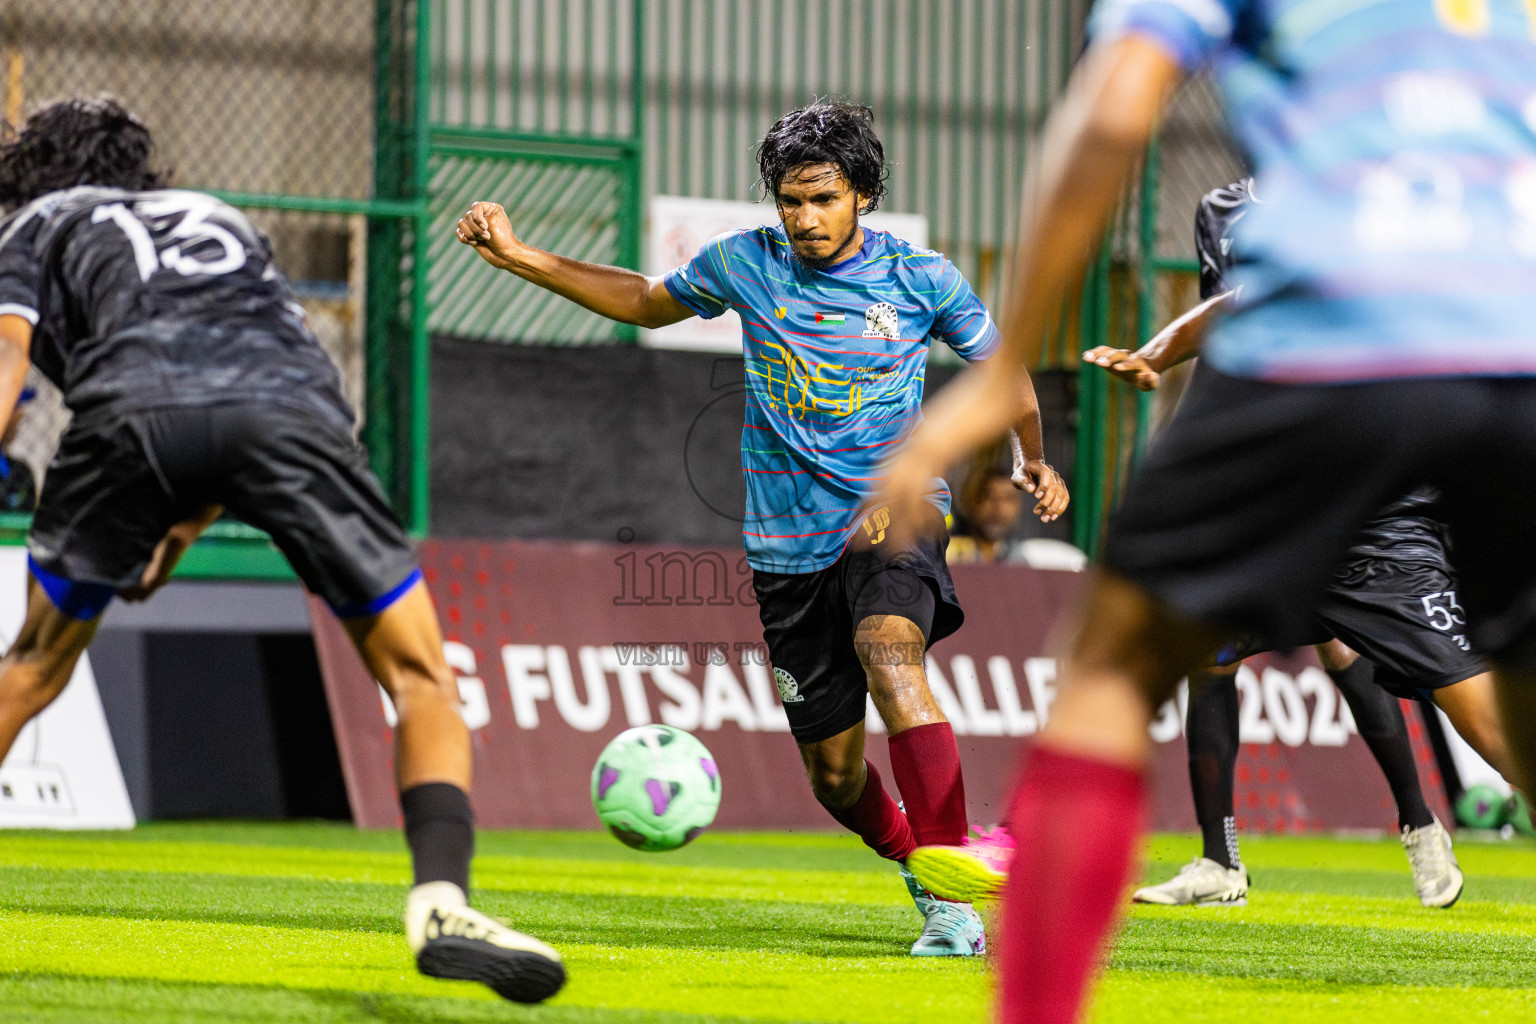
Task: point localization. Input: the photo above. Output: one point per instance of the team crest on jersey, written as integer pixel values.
(880, 322)
(789, 690)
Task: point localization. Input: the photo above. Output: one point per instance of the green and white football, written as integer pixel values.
(655, 787)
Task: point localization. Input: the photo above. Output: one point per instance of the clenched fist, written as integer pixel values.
(486, 229)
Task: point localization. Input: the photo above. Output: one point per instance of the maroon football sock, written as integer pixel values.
(877, 820)
(1077, 821)
(926, 764)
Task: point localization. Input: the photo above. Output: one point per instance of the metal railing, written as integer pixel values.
(356, 131)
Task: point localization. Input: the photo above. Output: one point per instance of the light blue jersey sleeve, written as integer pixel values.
(959, 319)
(1189, 30)
(703, 284)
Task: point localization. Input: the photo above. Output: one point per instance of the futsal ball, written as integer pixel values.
(1517, 813)
(1480, 807)
(655, 787)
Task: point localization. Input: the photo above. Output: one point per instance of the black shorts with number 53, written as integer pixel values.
(1403, 617)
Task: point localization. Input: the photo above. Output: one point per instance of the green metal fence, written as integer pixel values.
(1148, 276)
(536, 104)
(357, 131)
(305, 114)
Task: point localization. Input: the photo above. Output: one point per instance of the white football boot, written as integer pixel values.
(1436, 875)
(1201, 883)
(453, 940)
(949, 929)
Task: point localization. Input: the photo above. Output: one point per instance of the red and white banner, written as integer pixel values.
(560, 646)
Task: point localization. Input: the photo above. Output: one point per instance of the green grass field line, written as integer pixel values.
(1132, 997)
(765, 985)
(192, 923)
(651, 877)
(51, 999)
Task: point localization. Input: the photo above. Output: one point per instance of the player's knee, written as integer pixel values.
(836, 785)
(422, 688)
(34, 674)
(1335, 657)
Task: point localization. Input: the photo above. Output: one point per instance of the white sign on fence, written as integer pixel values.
(63, 770)
(679, 227)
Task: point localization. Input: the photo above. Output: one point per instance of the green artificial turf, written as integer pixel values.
(300, 922)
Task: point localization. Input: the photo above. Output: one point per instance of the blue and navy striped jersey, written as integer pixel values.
(1394, 143)
(835, 361)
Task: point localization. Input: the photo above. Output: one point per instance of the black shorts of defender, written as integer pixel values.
(1402, 617)
(1243, 509)
(116, 485)
(809, 621)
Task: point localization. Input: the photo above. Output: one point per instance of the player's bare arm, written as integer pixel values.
(613, 292)
(1031, 473)
(1179, 342)
(15, 357)
(1093, 141)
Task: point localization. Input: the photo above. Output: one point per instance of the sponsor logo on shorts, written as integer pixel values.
(789, 690)
(880, 321)
(876, 523)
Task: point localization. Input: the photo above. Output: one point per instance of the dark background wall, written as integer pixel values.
(584, 442)
(213, 695)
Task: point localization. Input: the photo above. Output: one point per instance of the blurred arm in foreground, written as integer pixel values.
(1092, 143)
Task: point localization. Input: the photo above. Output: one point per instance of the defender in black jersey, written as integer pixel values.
(1392, 599)
(196, 386)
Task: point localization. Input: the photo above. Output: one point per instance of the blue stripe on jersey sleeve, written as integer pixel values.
(701, 283)
(1190, 30)
(960, 320)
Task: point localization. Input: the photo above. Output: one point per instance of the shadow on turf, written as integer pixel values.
(814, 929)
(67, 999)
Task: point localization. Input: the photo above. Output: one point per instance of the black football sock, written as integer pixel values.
(1379, 717)
(440, 830)
(1211, 732)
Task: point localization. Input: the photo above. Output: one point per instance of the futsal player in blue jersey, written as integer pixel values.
(1381, 340)
(836, 321)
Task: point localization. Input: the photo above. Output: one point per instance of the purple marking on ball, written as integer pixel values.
(660, 798)
(606, 781)
(710, 769)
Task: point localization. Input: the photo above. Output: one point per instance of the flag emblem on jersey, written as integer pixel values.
(830, 318)
(880, 322)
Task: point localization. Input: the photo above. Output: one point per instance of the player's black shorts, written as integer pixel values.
(116, 486)
(1250, 498)
(1403, 617)
(809, 621)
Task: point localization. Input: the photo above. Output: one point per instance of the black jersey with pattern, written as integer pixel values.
(152, 299)
(1220, 210)
(1404, 531)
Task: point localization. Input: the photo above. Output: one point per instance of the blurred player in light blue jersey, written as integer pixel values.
(1382, 339)
(836, 323)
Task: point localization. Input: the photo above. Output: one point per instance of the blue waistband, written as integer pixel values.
(76, 599)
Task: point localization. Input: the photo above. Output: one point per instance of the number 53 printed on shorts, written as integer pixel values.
(1447, 615)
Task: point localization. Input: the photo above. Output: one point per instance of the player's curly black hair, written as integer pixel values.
(826, 131)
(77, 141)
